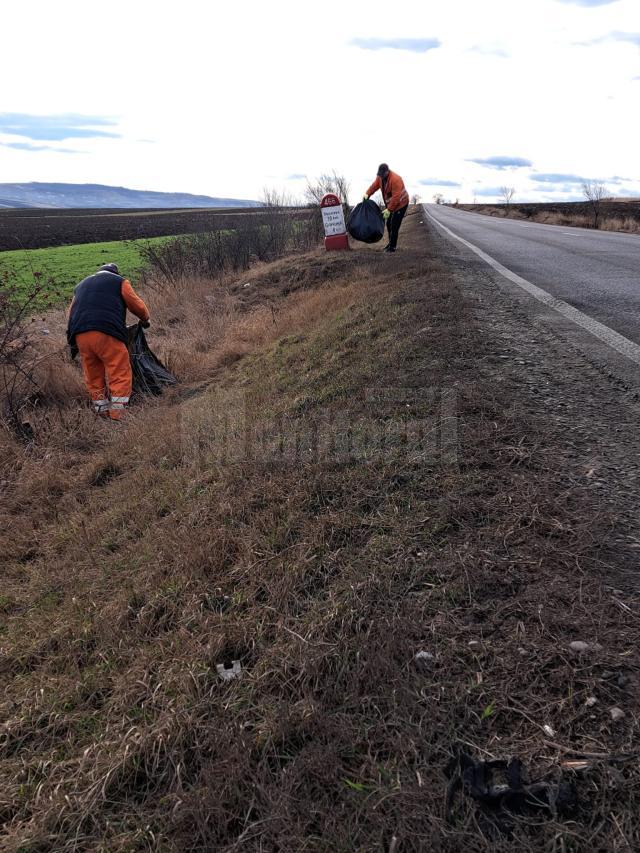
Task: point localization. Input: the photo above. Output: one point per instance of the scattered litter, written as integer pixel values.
(590, 759)
(617, 714)
(228, 671)
(45, 331)
(579, 646)
(500, 791)
(473, 644)
(423, 656)
(590, 701)
(248, 284)
(548, 730)
(522, 652)
(575, 764)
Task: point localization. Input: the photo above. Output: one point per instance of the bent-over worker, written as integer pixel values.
(396, 200)
(98, 328)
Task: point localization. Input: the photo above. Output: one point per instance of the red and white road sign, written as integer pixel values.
(335, 231)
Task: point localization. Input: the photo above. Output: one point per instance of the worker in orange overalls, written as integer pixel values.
(98, 330)
(396, 199)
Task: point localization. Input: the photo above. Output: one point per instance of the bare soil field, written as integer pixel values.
(35, 229)
(350, 497)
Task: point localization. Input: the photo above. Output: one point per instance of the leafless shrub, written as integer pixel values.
(32, 368)
(594, 192)
(415, 199)
(507, 194)
(264, 235)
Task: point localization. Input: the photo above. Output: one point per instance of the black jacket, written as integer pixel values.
(98, 306)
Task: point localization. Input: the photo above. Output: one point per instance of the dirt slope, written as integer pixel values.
(359, 490)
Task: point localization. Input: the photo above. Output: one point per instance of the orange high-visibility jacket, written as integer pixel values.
(393, 192)
(133, 301)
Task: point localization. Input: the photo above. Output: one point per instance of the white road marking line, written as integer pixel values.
(571, 234)
(610, 337)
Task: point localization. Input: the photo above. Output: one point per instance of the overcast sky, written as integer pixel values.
(224, 98)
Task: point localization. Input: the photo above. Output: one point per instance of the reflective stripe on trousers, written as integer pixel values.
(118, 403)
(101, 407)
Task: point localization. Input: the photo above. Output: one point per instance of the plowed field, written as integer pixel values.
(39, 229)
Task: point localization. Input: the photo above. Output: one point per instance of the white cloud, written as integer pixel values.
(229, 97)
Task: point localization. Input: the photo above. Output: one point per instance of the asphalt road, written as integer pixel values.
(597, 272)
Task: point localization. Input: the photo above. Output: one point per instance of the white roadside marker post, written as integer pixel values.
(335, 231)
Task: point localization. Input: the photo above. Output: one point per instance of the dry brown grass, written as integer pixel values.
(571, 220)
(565, 216)
(203, 325)
(617, 223)
(138, 563)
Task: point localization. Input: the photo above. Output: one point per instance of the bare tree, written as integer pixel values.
(328, 183)
(415, 199)
(507, 193)
(594, 192)
(438, 198)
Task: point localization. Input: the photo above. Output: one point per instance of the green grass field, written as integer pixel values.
(65, 266)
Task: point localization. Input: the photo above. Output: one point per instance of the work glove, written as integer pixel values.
(386, 214)
(145, 323)
(365, 197)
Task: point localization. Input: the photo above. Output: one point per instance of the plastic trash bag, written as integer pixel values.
(150, 376)
(365, 222)
(499, 789)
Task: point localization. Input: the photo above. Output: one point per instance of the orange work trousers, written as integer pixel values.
(107, 372)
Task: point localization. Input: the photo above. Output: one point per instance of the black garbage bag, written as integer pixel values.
(365, 222)
(150, 376)
(501, 792)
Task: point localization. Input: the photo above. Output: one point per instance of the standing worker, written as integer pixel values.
(98, 329)
(396, 200)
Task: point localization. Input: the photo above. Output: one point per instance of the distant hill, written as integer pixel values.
(98, 195)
